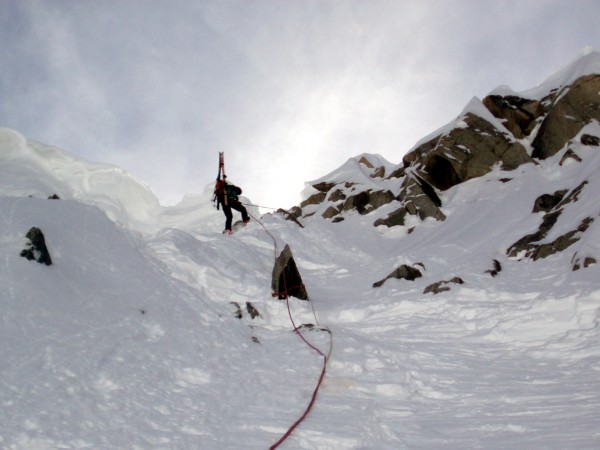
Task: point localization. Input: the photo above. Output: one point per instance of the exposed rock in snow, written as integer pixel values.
(547, 202)
(286, 279)
(519, 115)
(404, 272)
(574, 107)
(36, 247)
(466, 153)
(442, 286)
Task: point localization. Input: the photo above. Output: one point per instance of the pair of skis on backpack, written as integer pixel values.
(238, 225)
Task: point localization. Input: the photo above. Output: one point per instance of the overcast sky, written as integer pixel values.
(288, 89)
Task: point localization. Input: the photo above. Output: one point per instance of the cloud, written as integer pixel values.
(289, 90)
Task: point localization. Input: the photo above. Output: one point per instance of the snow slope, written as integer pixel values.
(131, 340)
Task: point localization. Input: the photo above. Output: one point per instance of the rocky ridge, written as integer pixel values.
(506, 130)
(552, 125)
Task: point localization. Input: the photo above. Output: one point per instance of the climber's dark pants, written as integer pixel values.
(233, 204)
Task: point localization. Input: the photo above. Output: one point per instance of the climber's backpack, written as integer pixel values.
(232, 192)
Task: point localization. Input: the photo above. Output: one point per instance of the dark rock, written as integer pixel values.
(238, 310)
(36, 247)
(442, 172)
(394, 218)
(367, 201)
(404, 272)
(547, 202)
(418, 197)
(366, 162)
(337, 195)
(293, 214)
(286, 280)
(518, 114)
(466, 153)
(249, 307)
(324, 186)
(526, 242)
(429, 191)
(569, 154)
(540, 251)
(573, 195)
(573, 107)
(441, 286)
(314, 199)
(397, 173)
(421, 197)
(54, 197)
(588, 139)
(560, 243)
(587, 262)
(252, 310)
(496, 270)
(332, 211)
(379, 172)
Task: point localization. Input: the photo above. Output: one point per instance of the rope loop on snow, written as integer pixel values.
(285, 295)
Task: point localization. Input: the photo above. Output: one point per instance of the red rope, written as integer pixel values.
(314, 394)
(297, 331)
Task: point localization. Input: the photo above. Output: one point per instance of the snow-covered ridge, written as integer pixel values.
(503, 131)
(586, 63)
(360, 169)
(33, 169)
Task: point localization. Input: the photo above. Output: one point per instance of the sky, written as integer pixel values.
(288, 89)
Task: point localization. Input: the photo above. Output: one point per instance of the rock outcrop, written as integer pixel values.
(36, 247)
(504, 131)
(404, 272)
(572, 107)
(519, 115)
(442, 286)
(417, 198)
(582, 262)
(466, 152)
(531, 245)
(286, 279)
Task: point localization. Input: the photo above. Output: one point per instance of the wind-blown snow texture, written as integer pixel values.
(130, 340)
